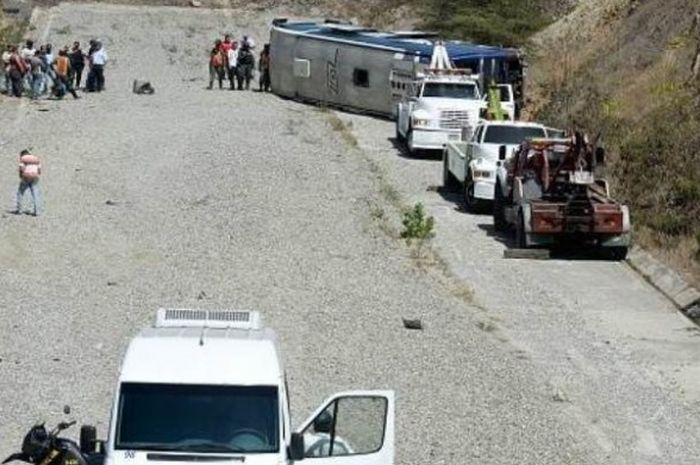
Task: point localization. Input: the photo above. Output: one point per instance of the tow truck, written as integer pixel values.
(440, 103)
(554, 191)
(210, 386)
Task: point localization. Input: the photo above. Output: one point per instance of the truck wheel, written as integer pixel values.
(520, 239)
(499, 213)
(399, 137)
(449, 182)
(409, 144)
(618, 253)
(470, 202)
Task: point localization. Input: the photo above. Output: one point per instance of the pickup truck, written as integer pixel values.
(435, 109)
(471, 165)
(209, 386)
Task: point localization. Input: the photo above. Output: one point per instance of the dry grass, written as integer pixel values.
(391, 205)
(342, 128)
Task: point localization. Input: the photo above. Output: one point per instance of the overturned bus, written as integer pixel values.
(362, 69)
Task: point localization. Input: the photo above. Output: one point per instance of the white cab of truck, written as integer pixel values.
(209, 386)
(472, 164)
(436, 108)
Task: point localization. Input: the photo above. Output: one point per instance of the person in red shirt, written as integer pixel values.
(227, 44)
(217, 65)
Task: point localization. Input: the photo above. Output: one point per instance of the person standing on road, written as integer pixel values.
(232, 62)
(29, 173)
(99, 60)
(18, 68)
(27, 52)
(36, 74)
(77, 63)
(6, 55)
(49, 59)
(264, 68)
(246, 65)
(217, 62)
(64, 78)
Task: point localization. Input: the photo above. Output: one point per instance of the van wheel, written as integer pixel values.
(449, 182)
(520, 239)
(499, 210)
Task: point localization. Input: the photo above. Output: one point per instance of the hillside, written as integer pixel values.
(624, 69)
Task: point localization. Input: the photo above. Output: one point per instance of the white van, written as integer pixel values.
(209, 386)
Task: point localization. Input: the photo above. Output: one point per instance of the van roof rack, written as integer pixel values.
(197, 318)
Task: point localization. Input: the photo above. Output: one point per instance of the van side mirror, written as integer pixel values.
(296, 447)
(88, 439)
(502, 152)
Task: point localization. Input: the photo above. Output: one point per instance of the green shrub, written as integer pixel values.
(501, 22)
(416, 224)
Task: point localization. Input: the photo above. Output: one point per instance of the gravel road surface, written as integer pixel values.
(216, 198)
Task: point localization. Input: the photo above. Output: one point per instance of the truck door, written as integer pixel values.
(473, 142)
(350, 428)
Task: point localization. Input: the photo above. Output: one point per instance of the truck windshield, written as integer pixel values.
(450, 90)
(511, 135)
(194, 418)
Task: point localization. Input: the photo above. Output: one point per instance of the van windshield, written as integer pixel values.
(450, 90)
(194, 418)
(511, 135)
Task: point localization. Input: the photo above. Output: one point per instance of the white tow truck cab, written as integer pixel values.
(471, 164)
(436, 108)
(441, 102)
(209, 386)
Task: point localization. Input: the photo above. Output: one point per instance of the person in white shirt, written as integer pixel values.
(28, 50)
(98, 61)
(232, 60)
(248, 41)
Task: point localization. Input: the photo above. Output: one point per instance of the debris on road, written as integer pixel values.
(413, 324)
(143, 88)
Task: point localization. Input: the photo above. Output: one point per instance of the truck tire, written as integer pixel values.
(618, 253)
(499, 210)
(520, 239)
(399, 136)
(471, 203)
(449, 183)
(88, 438)
(409, 144)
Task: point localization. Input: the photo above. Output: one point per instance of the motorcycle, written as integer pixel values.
(43, 447)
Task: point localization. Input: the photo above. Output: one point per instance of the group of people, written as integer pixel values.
(40, 71)
(235, 61)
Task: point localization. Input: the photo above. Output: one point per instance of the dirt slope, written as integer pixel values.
(623, 67)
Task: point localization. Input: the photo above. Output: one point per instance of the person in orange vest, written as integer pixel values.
(29, 172)
(64, 78)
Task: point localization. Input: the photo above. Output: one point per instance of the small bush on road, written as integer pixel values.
(416, 224)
